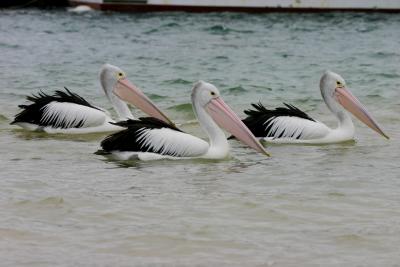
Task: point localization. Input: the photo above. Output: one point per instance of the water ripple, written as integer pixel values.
(222, 30)
(177, 81)
(237, 90)
(306, 204)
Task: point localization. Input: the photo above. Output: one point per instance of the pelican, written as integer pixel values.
(291, 125)
(151, 138)
(69, 113)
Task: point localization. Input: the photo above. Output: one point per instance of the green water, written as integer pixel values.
(333, 205)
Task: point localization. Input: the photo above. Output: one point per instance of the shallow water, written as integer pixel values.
(332, 205)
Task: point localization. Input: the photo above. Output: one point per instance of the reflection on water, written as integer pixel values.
(32, 135)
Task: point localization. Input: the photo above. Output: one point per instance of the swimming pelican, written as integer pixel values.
(66, 112)
(151, 138)
(291, 125)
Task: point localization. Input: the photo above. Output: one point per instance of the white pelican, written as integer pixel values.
(66, 112)
(150, 138)
(291, 125)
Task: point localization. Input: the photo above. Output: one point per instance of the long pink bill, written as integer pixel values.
(353, 105)
(128, 92)
(226, 118)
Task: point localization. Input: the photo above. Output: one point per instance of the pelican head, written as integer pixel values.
(204, 92)
(336, 95)
(109, 77)
(116, 84)
(208, 97)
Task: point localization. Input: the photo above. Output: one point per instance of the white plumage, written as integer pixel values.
(295, 128)
(173, 143)
(71, 115)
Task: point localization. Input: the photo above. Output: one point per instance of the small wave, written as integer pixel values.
(182, 112)
(374, 96)
(186, 107)
(221, 57)
(151, 31)
(156, 97)
(304, 29)
(336, 194)
(369, 28)
(221, 29)
(234, 90)
(162, 28)
(261, 87)
(71, 30)
(389, 75)
(385, 54)
(9, 45)
(285, 55)
(3, 118)
(48, 201)
(148, 58)
(14, 234)
(352, 239)
(218, 29)
(170, 25)
(52, 201)
(177, 81)
(305, 100)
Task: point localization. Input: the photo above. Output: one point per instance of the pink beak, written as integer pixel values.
(224, 116)
(353, 105)
(128, 92)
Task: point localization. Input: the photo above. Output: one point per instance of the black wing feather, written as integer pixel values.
(258, 119)
(33, 113)
(126, 140)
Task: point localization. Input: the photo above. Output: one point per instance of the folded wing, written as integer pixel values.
(61, 110)
(286, 122)
(156, 136)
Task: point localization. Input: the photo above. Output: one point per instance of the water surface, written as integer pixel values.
(332, 205)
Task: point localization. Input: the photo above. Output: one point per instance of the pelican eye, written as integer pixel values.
(339, 84)
(212, 93)
(120, 75)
